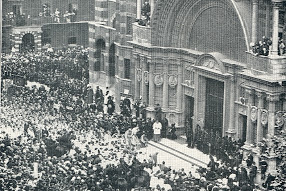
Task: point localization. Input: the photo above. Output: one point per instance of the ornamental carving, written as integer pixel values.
(158, 79)
(188, 66)
(173, 81)
(279, 119)
(253, 113)
(146, 77)
(264, 116)
(139, 75)
(210, 63)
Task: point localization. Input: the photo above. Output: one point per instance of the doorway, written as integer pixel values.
(112, 60)
(214, 106)
(28, 43)
(244, 127)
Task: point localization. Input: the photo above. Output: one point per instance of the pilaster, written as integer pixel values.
(165, 87)
(179, 88)
(249, 131)
(272, 99)
(260, 106)
(136, 84)
(231, 127)
(151, 85)
(143, 85)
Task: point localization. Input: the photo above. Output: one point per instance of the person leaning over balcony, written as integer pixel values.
(281, 47)
(146, 9)
(265, 49)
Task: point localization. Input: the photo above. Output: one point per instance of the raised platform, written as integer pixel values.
(180, 150)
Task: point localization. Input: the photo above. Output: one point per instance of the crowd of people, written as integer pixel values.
(262, 47)
(62, 135)
(145, 14)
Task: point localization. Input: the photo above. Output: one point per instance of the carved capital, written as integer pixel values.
(249, 91)
(277, 3)
(142, 59)
(255, 2)
(136, 57)
(272, 97)
(259, 94)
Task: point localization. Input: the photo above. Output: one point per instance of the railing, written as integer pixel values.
(25, 21)
(141, 34)
(267, 64)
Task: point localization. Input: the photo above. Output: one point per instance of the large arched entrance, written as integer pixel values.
(98, 55)
(112, 60)
(203, 25)
(28, 43)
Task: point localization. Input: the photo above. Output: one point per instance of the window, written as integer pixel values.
(72, 40)
(46, 37)
(129, 25)
(97, 57)
(126, 68)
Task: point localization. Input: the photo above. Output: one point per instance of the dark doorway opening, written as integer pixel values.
(214, 106)
(244, 126)
(189, 108)
(112, 60)
(98, 55)
(28, 43)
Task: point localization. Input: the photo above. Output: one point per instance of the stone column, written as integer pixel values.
(271, 113)
(179, 87)
(276, 5)
(152, 5)
(254, 20)
(143, 85)
(151, 85)
(249, 131)
(267, 19)
(259, 133)
(231, 125)
(139, 7)
(165, 87)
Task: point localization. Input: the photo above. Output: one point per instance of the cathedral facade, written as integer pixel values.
(216, 63)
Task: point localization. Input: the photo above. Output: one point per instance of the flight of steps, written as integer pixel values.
(190, 155)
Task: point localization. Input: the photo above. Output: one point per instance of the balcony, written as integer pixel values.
(266, 64)
(23, 20)
(141, 34)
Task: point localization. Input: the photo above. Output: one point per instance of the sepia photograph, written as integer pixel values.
(143, 95)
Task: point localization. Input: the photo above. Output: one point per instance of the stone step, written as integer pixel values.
(181, 151)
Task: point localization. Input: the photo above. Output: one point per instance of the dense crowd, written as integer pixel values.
(262, 47)
(145, 14)
(63, 135)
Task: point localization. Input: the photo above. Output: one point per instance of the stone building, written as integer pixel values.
(36, 23)
(194, 58)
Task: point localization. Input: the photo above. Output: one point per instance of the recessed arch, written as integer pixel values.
(100, 47)
(174, 21)
(28, 42)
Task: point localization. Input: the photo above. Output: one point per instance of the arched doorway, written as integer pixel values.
(98, 55)
(112, 60)
(28, 43)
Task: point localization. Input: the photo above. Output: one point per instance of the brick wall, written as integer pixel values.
(60, 33)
